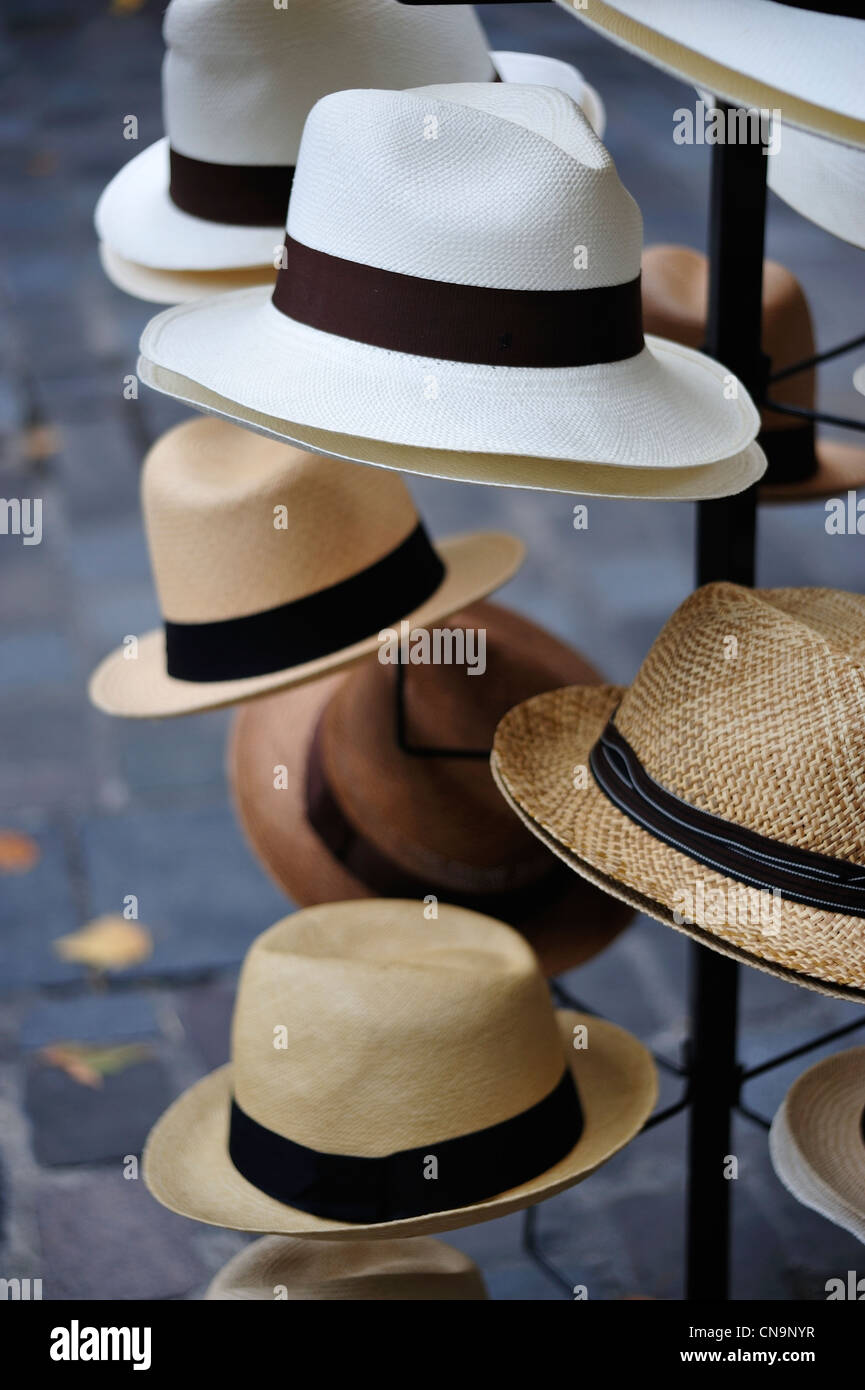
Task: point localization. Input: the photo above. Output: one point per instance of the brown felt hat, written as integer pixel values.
(675, 281)
(334, 809)
(395, 1075)
(721, 792)
(279, 1268)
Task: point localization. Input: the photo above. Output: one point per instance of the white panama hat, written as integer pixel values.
(822, 180)
(817, 1139)
(461, 276)
(193, 211)
(805, 59)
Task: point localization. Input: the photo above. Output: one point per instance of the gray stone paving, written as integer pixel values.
(120, 808)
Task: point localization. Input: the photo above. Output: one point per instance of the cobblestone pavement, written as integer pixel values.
(120, 808)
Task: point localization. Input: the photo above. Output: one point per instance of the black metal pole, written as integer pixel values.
(726, 536)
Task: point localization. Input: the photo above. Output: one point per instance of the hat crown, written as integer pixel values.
(228, 541)
(397, 1031)
(751, 706)
(497, 185)
(240, 76)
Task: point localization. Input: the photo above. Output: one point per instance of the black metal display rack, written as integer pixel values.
(712, 1076)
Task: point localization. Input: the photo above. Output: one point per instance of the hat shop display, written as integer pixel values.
(724, 793)
(252, 599)
(389, 250)
(423, 1082)
(410, 312)
(817, 1140)
(203, 210)
(278, 1268)
(354, 815)
(803, 58)
(801, 467)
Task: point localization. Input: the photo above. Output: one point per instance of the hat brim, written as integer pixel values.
(762, 55)
(137, 220)
(475, 565)
(679, 484)
(666, 407)
(822, 181)
(537, 746)
(816, 1142)
(840, 469)
(142, 229)
(187, 1168)
(564, 935)
(420, 1269)
(177, 286)
(859, 379)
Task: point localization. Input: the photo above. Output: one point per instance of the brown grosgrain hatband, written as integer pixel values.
(239, 195)
(458, 323)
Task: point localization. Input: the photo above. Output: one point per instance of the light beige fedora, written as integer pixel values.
(395, 1072)
(817, 1139)
(804, 59)
(278, 1268)
(274, 566)
(720, 792)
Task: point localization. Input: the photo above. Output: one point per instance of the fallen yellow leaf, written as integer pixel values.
(89, 1064)
(107, 943)
(18, 853)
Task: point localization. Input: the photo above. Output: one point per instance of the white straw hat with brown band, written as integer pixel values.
(817, 1139)
(720, 792)
(196, 212)
(409, 313)
(394, 1073)
(279, 1268)
(805, 57)
(274, 567)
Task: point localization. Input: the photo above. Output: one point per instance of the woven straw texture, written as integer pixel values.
(690, 484)
(332, 1271)
(401, 1031)
(439, 819)
(209, 491)
(816, 1140)
(823, 181)
(751, 52)
(143, 229)
(675, 288)
(771, 738)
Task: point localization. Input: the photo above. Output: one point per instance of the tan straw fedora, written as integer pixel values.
(274, 566)
(413, 326)
(801, 467)
(720, 792)
(395, 1073)
(817, 1139)
(804, 57)
(335, 809)
(278, 1268)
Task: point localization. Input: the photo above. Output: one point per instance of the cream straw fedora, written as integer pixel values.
(817, 1140)
(823, 181)
(274, 567)
(395, 1073)
(279, 1268)
(426, 304)
(805, 58)
(802, 465)
(204, 207)
(720, 792)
